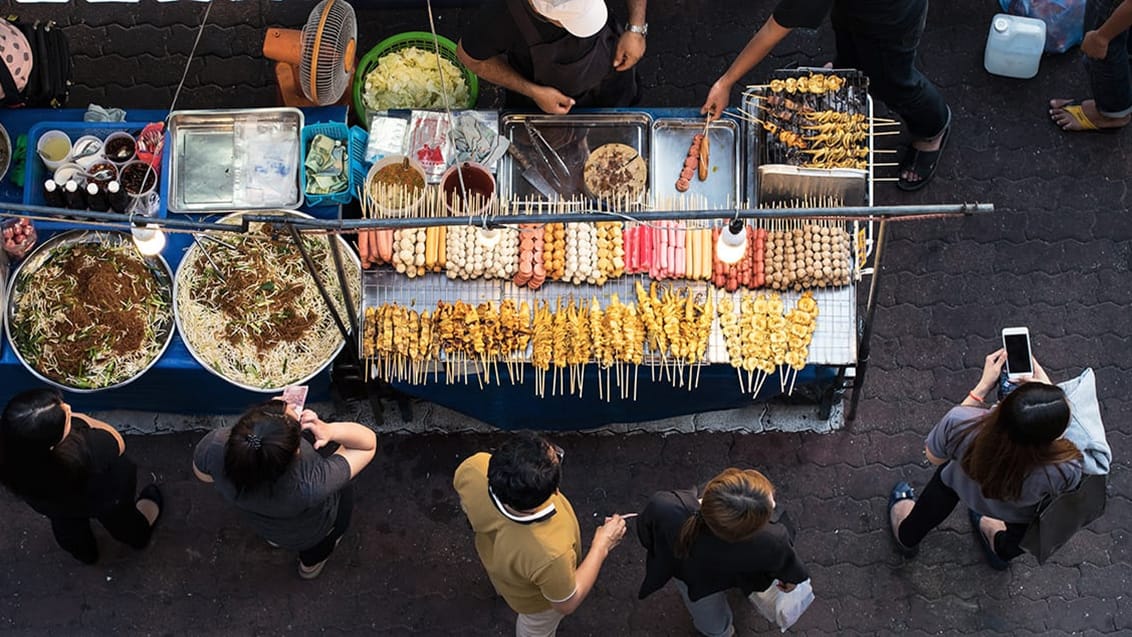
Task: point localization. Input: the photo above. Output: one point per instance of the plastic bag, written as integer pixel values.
(780, 607)
(1065, 20)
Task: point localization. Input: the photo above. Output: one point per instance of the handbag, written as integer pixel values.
(781, 608)
(1059, 518)
(49, 83)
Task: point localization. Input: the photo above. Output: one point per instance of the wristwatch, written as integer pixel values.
(642, 29)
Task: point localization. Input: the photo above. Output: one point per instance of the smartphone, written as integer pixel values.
(1016, 341)
(296, 397)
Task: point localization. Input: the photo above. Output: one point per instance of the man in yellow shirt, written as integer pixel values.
(527, 535)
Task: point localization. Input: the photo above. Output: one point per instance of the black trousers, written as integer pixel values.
(936, 503)
(323, 549)
(887, 55)
(122, 520)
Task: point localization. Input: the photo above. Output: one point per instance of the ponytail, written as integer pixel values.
(689, 531)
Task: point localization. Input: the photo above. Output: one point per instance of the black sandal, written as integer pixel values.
(922, 163)
(901, 491)
(995, 562)
(153, 494)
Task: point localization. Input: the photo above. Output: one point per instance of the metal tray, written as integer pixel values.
(3, 293)
(574, 137)
(671, 139)
(190, 256)
(222, 160)
(158, 267)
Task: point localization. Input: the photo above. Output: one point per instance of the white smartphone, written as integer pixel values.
(1016, 341)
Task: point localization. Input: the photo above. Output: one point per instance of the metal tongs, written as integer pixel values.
(546, 152)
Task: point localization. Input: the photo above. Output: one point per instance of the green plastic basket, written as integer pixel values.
(421, 40)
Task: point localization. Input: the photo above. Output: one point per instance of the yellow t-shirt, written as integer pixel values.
(530, 564)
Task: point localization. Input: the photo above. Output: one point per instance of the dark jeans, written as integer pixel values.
(1111, 77)
(123, 521)
(936, 503)
(323, 549)
(887, 55)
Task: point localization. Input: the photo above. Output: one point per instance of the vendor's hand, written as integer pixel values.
(310, 421)
(289, 409)
(786, 587)
(1039, 375)
(630, 50)
(717, 99)
(552, 101)
(992, 368)
(1095, 45)
(610, 533)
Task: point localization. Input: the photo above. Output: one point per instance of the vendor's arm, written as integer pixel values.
(607, 536)
(358, 443)
(631, 46)
(1095, 44)
(497, 71)
(758, 48)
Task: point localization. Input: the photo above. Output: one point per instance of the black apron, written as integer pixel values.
(581, 68)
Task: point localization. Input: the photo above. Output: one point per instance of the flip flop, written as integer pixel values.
(1077, 112)
(901, 491)
(923, 162)
(996, 562)
(153, 494)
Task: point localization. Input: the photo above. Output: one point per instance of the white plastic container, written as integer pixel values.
(1014, 46)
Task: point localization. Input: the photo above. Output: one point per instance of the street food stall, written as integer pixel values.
(532, 271)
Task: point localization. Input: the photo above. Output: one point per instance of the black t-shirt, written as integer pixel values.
(858, 15)
(493, 32)
(712, 564)
(112, 478)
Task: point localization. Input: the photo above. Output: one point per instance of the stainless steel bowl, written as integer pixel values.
(38, 257)
(189, 257)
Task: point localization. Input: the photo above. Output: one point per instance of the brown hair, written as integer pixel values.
(736, 504)
(1017, 436)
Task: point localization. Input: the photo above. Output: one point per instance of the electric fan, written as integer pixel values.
(314, 66)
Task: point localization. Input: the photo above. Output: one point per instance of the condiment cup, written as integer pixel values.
(67, 171)
(133, 166)
(86, 150)
(478, 180)
(44, 140)
(391, 160)
(119, 135)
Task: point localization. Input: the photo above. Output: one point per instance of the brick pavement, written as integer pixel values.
(1056, 256)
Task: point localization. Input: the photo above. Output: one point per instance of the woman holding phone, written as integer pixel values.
(728, 536)
(295, 497)
(999, 460)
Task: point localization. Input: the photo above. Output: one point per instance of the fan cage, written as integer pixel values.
(327, 55)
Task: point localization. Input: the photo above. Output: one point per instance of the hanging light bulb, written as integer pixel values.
(732, 242)
(488, 237)
(149, 239)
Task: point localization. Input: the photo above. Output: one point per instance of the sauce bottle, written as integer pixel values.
(53, 195)
(71, 195)
(96, 199)
(117, 197)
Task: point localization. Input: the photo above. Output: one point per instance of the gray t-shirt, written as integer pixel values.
(947, 441)
(298, 510)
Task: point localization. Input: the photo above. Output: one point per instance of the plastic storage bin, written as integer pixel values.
(333, 130)
(359, 167)
(1014, 46)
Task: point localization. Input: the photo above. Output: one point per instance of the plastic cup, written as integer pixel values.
(138, 178)
(86, 150)
(102, 172)
(54, 148)
(70, 171)
(116, 146)
(478, 180)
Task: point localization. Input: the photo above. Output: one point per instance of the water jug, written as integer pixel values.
(1014, 46)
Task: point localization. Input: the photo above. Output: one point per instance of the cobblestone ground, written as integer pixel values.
(1055, 256)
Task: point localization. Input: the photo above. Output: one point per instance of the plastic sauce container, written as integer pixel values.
(1014, 46)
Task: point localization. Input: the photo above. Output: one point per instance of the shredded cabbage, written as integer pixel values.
(409, 78)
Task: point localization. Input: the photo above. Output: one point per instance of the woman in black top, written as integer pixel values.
(731, 537)
(70, 468)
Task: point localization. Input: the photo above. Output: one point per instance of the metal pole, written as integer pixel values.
(867, 325)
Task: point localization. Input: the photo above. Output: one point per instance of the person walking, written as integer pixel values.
(556, 54)
(294, 497)
(729, 536)
(71, 468)
(1000, 461)
(878, 37)
(1108, 45)
(526, 533)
